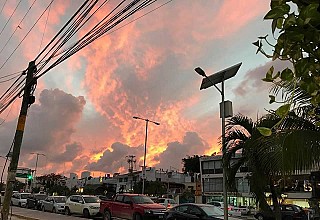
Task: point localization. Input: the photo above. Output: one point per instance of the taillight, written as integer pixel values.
(169, 205)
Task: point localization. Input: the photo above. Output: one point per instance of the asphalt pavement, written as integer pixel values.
(30, 214)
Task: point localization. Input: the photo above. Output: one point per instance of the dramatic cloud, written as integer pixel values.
(82, 119)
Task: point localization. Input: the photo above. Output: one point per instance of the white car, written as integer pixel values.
(20, 199)
(231, 210)
(54, 204)
(168, 203)
(86, 205)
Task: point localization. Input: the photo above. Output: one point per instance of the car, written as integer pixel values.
(231, 209)
(244, 210)
(192, 211)
(34, 201)
(87, 205)
(20, 199)
(288, 212)
(168, 203)
(54, 204)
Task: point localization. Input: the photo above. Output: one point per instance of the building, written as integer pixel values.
(212, 182)
(297, 188)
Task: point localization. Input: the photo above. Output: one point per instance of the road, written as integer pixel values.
(39, 215)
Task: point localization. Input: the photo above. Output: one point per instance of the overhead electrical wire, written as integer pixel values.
(10, 17)
(55, 48)
(11, 74)
(45, 27)
(25, 36)
(18, 26)
(4, 4)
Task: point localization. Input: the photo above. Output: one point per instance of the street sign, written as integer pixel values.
(23, 172)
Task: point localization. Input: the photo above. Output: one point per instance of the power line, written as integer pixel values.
(10, 17)
(45, 27)
(8, 75)
(73, 25)
(3, 6)
(25, 35)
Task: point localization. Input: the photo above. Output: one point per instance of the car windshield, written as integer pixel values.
(212, 210)
(24, 196)
(171, 201)
(60, 199)
(91, 199)
(142, 200)
(40, 196)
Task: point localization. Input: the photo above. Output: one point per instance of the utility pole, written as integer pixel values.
(26, 102)
(33, 182)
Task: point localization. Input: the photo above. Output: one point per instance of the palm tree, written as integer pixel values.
(293, 146)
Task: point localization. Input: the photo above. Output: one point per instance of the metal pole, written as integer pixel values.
(144, 158)
(11, 177)
(224, 181)
(35, 173)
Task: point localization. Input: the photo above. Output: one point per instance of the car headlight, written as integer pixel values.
(148, 211)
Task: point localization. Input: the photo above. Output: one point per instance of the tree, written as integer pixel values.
(293, 146)
(296, 28)
(191, 164)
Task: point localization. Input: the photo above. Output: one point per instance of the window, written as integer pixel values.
(212, 185)
(120, 180)
(126, 199)
(126, 179)
(119, 198)
(194, 211)
(182, 208)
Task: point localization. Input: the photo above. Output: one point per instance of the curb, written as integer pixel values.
(24, 217)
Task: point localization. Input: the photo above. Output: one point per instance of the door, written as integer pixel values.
(117, 206)
(127, 208)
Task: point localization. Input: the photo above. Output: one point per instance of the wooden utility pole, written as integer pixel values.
(26, 101)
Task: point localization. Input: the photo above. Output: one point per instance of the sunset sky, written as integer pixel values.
(82, 117)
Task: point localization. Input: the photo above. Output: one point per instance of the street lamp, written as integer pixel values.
(145, 148)
(207, 82)
(35, 170)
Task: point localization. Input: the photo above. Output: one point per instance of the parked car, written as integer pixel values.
(86, 205)
(20, 199)
(192, 211)
(34, 201)
(244, 210)
(54, 204)
(288, 212)
(132, 206)
(168, 203)
(231, 209)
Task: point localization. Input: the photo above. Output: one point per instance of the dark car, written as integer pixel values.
(190, 211)
(288, 212)
(34, 201)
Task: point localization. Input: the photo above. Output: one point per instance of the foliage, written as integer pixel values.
(296, 29)
(294, 146)
(191, 164)
(155, 188)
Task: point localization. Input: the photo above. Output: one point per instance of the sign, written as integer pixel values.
(23, 172)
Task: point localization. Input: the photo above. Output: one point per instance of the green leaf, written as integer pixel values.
(267, 80)
(286, 74)
(289, 21)
(279, 23)
(283, 110)
(264, 131)
(302, 67)
(277, 12)
(274, 25)
(318, 123)
(270, 72)
(272, 99)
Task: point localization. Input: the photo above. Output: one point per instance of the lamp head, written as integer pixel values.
(157, 123)
(135, 117)
(200, 72)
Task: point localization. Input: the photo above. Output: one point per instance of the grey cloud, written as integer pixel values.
(112, 160)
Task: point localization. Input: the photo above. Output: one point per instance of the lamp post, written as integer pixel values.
(145, 148)
(207, 82)
(35, 170)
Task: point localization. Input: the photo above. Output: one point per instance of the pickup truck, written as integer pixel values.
(131, 206)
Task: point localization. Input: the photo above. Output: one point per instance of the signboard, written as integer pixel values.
(23, 172)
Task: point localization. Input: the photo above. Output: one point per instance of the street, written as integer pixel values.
(35, 214)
